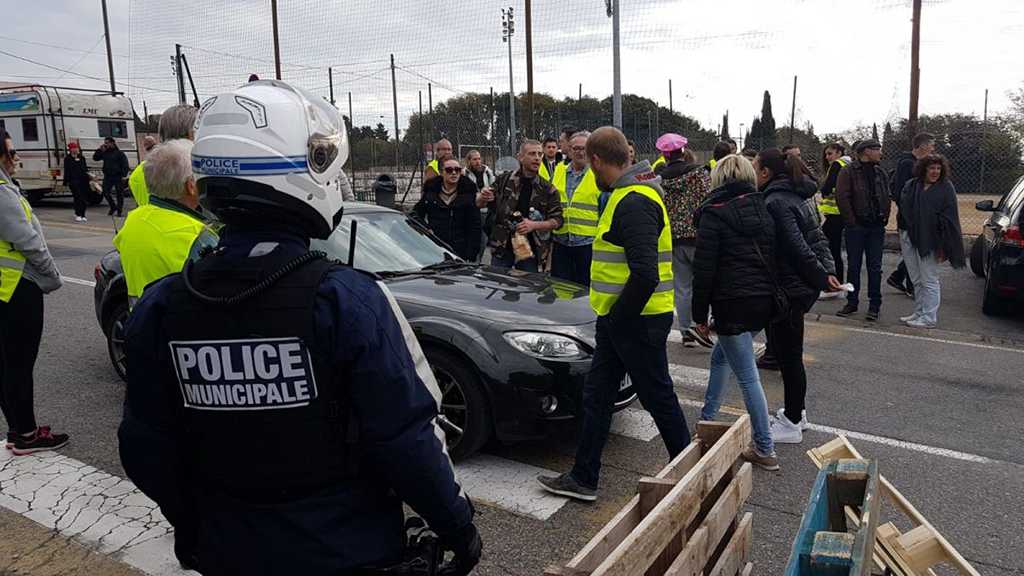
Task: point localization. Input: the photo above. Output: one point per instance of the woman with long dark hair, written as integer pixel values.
(27, 271)
(932, 235)
(804, 268)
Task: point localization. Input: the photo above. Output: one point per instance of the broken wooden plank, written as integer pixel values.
(642, 546)
(698, 549)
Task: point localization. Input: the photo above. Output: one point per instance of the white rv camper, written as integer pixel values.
(43, 120)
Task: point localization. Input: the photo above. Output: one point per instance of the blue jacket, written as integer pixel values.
(394, 395)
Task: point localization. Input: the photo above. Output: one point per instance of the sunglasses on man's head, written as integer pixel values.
(452, 170)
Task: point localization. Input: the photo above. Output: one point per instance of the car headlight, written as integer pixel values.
(545, 345)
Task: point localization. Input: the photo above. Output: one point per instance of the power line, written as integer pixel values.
(79, 74)
(55, 46)
(84, 56)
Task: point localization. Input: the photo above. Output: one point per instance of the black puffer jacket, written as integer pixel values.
(728, 274)
(802, 253)
(458, 223)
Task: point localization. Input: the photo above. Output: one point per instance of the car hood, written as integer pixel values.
(498, 295)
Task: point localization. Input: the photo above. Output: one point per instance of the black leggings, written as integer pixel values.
(787, 341)
(80, 194)
(833, 229)
(21, 329)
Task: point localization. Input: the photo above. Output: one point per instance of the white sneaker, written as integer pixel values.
(785, 432)
(918, 323)
(905, 319)
(84, 219)
(79, 219)
(804, 424)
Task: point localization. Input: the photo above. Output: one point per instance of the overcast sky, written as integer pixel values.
(852, 56)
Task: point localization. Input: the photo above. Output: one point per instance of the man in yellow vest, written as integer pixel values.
(442, 152)
(578, 193)
(550, 160)
(175, 123)
(27, 271)
(159, 237)
(631, 292)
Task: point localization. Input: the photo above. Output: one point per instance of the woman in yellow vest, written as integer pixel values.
(631, 293)
(27, 271)
(836, 159)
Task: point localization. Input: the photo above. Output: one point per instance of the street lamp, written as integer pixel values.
(508, 30)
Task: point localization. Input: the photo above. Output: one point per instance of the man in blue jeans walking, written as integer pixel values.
(631, 292)
(862, 193)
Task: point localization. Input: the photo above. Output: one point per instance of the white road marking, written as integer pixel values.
(104, 512)
(634, 423)
(79, 281)
(688, 376)
(509, 485)
(921, 338)
(912, 446)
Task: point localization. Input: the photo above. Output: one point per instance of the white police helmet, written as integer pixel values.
(271, 153)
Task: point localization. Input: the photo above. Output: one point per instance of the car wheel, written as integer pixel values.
(115, 340)
(992, 304)
(463, 403)
(977, 257)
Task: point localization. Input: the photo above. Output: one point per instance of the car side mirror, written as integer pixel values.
(985, 206)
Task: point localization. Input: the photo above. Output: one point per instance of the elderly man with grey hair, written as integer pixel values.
(176, 123)
(159, 237)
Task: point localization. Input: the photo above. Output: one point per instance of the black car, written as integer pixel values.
(998, 254)
(509, 349)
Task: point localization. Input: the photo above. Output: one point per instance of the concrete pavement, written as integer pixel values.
(939, 409)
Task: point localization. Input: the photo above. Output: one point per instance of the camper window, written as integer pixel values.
(113, 128)
(29, 130)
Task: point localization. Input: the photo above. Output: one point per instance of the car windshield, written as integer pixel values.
(385, 242)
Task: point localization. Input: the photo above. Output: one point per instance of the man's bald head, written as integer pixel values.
(609, 145)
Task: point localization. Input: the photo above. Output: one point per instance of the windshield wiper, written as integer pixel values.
(447, 264)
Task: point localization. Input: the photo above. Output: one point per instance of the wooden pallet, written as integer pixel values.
(685, 520)
(913, 553)
(827, 545)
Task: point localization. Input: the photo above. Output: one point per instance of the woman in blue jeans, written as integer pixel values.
(735, 246)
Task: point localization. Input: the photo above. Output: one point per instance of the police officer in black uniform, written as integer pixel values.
(279, 409)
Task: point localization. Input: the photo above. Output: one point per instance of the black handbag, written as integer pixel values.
(780, 301)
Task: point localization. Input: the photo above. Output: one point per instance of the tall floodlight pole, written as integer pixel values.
(613, 11)
(110, 55)
(277, 45)
(508, 28)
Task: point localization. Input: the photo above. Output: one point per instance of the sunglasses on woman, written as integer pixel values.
(452, 170)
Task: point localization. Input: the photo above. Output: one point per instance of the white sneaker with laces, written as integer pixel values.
(918, 323)
(906, 319)
(785, 432)
(804, 424)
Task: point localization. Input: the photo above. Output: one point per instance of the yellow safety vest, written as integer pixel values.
(12, 262)
(661, 160)
(137, 184)
(543, 172)
(579, 214)
(712, 163)
(433, 165)
(828, 198)
(609, 270)
(154, 242)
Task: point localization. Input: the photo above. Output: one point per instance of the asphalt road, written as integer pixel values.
(941, 410)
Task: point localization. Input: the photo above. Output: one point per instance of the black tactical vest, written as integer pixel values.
(267, 415)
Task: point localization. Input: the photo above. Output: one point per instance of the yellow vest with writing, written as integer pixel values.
(137, 184)
(579, 214)
(153, 243)
(12, 262)
(828, 197)
(609, 270)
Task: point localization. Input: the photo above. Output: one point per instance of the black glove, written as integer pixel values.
(467, 546)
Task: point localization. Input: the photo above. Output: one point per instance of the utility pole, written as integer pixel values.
(508, 26)
(670, 108)
(792, 112)
(613, 11)
(330, 81)
(179, 73)
(493, 140)
(430, 108)
(915, 69)
(420, 153)
(580, 95)
(110, 55)
(394, 103)
(529, 71)
(984, 151)
(277, 45)
(351, 120)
